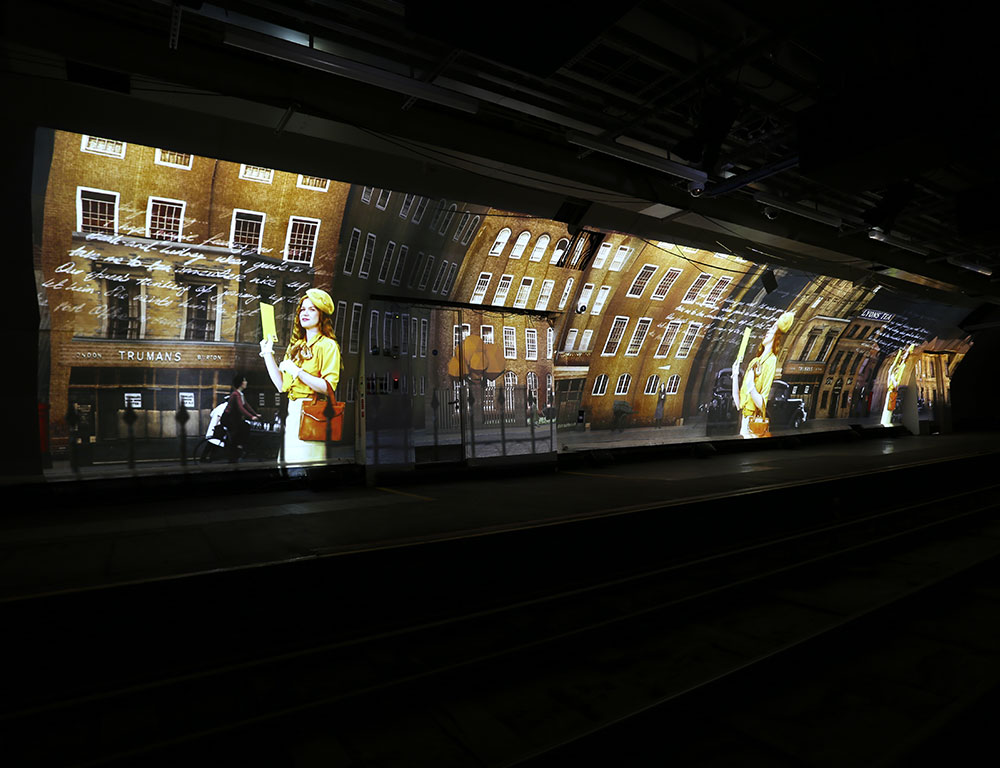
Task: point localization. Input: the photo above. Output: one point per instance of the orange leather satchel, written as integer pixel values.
(760, 426)
(322, 418)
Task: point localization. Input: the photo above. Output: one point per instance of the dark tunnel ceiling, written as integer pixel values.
(846, 123)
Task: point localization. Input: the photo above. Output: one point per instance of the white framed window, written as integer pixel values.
(531, 383)
(715, 294)
(571, 339)
(404, 209)
(545, 294)
(530, 344)
(357, 312)
(256, 173)
(586, 292)
(366, 194)
(652, 385)
(165, 218)
(502, 288)
(621, 256)
(550, 341)
(509, 383)
(373, 332)
(673, 384)
(449, 281)
(602, 296)
(352, 251)
(473, 225)
(501, 240)
(383, 199)
(548, 383)
(366, 258)
(423, 341)
(585, 338)
(615, 336)
(300, 240)
(418, 269)
(623, 383)
(404, 335)
(96, 210)
(602, 255)
(600, 385)
(523, 292)
(688, 341)
(446, 221)
(413, 335)
(383, 270)
(426, 274)
(397, 273)
(439, 278)
(459, 334)
(96, 145)
(339, 320)
(390, 338)
(566, 292)
(246, 232)
(520, 244)
(509, 343)
(315, 183)
(642, 280)
(171, 159)
(418, 214)
(460, 229)
(666, 283)
(577, 251)
(638, 336)
(695, 289)
(482, 284)
(559, 250)
(667, 340)
(486, 333)
(439, 210)
(538, 252)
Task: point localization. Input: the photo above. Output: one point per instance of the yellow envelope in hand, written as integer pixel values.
(267, 322)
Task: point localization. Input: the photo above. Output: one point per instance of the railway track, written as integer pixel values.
(571, 673)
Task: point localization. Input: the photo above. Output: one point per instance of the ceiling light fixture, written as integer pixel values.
(352, 70)
(639, 158)
(971, 266)
(877, 234)
(799, 210)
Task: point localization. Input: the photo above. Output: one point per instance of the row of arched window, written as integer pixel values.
(521, 245)
(671, 386)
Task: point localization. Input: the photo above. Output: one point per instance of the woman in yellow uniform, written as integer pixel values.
(751, 396)
(311, 360)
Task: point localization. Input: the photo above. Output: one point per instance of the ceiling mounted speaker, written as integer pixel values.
(769, 281)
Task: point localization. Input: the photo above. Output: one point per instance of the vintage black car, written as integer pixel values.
(784, 412)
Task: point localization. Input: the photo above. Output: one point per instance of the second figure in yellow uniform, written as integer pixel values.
(751, 396)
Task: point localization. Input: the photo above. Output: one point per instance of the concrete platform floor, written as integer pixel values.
(132, 534)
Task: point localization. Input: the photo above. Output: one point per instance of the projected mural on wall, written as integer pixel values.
(464, 330)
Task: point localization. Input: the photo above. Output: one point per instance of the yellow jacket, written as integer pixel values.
(762, 378)
(325, 363)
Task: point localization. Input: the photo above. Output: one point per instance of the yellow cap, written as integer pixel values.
(785, 321)
(321, 300)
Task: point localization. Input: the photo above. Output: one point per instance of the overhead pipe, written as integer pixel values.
(749, 177)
